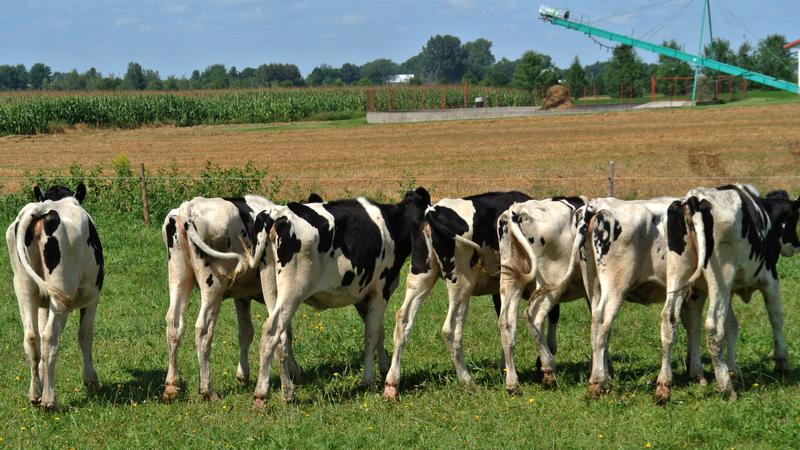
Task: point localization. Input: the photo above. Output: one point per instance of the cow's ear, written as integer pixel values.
(37, 194)
(314, 198)
(80, 192)
(424, 195)
(796, 203)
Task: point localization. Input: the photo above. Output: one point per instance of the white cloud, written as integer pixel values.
(259, 12)
(175, 8)
(125, 21)
(350, 19)
(459, 4)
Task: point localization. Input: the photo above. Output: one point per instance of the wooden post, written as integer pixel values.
(145, 202)
(653, 88)
(465, 92)
(611, 179)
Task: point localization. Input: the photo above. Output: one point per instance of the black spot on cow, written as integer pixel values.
(532, 240)
(764, 239)
(210, 280)
(170, 229)
(554, 314)
(404, 223)
(317, 221)
(288, 244)
(29, 234)
(347, 278)
(383, 254)
(94, 243)
(602, 233)
(617, 230)
(488, 208)
(708, 228)
(50, 222)
(357, 236)
(52, 254)
(245, 215)
(420, 259)
(541, 241)
(228, 243)
(502, 228)
(473, 260)
(676, 227)
(574, 202)
(445, 224)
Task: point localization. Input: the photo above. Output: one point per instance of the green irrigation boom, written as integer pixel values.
(560, 17)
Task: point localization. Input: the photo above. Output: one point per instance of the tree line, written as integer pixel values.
(443, 59)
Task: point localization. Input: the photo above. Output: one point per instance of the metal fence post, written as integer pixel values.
(611, 179)
(145, 202)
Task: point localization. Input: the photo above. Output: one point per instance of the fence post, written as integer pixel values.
(465, 92)
(653, 88)
(145, 202)
(611, 179)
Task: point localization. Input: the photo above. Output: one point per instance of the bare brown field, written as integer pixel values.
(662, 152)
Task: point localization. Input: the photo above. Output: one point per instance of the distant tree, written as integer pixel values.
(324, 75)
(134, 77)
(39, 75)
(349, 73)
(478, 57)
(73, 81)
(534, 69)
(233, 76)
(575, 77)
(500, 73)
(414, 65)
(719, 50)
(379, 70)
(171, 84)
(214, 76)
(93, 79)
(154, 82)
(772, 59)
(443, 58)
(744, 56)
(625, 69)
(670, 67)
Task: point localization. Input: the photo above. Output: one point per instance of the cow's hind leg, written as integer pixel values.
(28, 299)
(691, 317)
(772, 300)
(246, 333)
(540, 310)
(453, 328)
(50, 341)
(271, 337)
(86, 340)
(510, 293)
(181, 281)
(418, 286)
(373, 320)
(602, 319)
(719, 294)
(203, 336)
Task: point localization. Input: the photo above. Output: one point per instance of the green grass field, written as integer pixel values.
(332, 411)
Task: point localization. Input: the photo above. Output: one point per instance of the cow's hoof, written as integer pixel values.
(548, 380)
(663, 394)
(259, 403)
(782, 367)
(390, 392)
(50, 406)
(209, 396)
(243, 380)
(513, 389)
(36, 402)
(170, 394)
(731, 394)
(596, 390)
(92, 386)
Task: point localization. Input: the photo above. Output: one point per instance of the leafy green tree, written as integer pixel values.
(744, 56)
(534, 69)
(500, 73)
(134, 77)
(670, 67)
(575, 77)
(625, 69)
(379, 70)
(772, 59)
(414, 65)
(720, 50)
(443, 58)
(154, 82)
(324, 75)
(349, 73)
(478, 57)
(39, 75)
(215, 76)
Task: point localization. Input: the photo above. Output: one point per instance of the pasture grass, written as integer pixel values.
(332, 411)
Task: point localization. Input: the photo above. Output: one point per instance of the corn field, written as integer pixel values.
(30, 114)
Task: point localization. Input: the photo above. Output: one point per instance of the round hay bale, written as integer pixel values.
(557, 97)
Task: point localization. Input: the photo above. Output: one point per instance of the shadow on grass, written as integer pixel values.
(144, 385)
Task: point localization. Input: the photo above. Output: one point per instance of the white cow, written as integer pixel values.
(207, 240)
(536, 250)
(722, 241)
(58, 267)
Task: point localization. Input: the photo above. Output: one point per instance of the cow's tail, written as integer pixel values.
(515, 233)
(194, 237)
(581, 227)
(27, 217)
(433, 219)
(692, 218)
(263, 226)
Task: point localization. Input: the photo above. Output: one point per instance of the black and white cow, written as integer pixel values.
(58, 267)
(207, 240)
(329, 255)
(723, 241)
(536, 255)
(623, 257)
(460, 245)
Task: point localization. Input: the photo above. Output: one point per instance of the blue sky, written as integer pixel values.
(177, 36)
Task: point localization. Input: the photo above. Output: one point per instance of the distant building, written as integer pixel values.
(400, 78)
